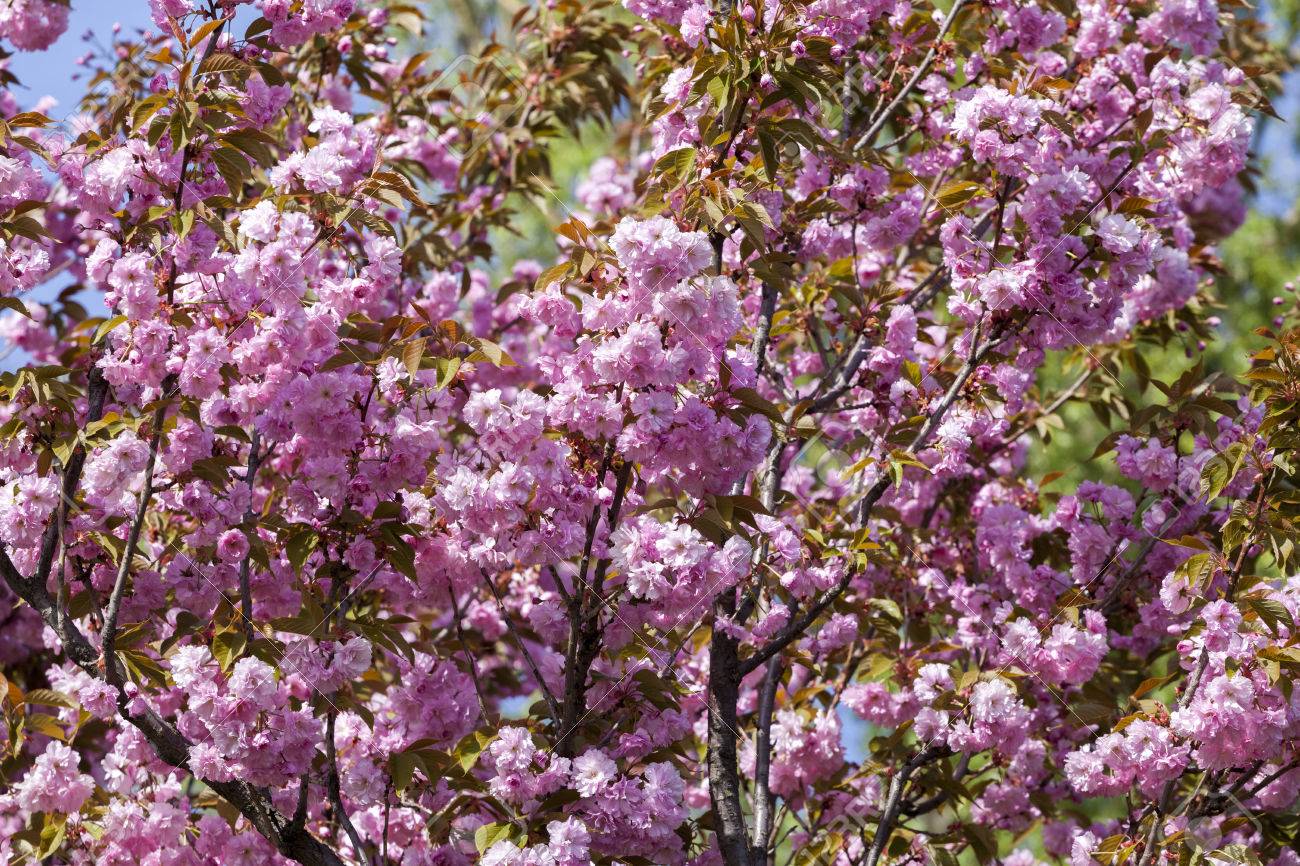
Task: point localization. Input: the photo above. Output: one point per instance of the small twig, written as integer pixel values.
(882, 118)
(469, 658)
(528, 657)
(109, 634)
(250, 522)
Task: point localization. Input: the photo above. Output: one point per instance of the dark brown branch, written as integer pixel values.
(764, 331)
(250, 521)
(796, 627)
(724, 774)
(108, 639)
(584, 618)
(893, 801)
(523, 649)
(1166, 796)
(931, 803)
(469, 657)
(336, 796)
(1070, 392)
(169, 744)
(96, 392)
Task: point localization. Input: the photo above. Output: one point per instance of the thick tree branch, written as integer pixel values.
(764, 331)
(584, 619)
(335, 795)
(894, 799)
(724, 774)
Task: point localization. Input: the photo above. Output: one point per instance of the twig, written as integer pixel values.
(250, 521)
(528, 657)
(881, 119)
(109, 634)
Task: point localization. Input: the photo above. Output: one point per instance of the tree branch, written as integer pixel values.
(893, 801)
(881, 119)
(764, 330)
(96, 392)
(109, 635)
(584, 618)
(169, 744)
(523, 650)
(797, 626)
(724, 775)
(250, 521)
(763, 801)
(336, 796)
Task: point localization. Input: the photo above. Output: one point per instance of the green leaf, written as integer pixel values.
(227, 647)
(675, 163)
(107, 326)
(771, 161)
(146, 108)
(1220, 470)
(141, 667)
(1196, 569)
(7, 303)
(44, 724)
(50, 698)
(52, 835)
(400, 554)
(401, 767)
(361, 218)
(447, 370)
(1272, 612)
(954, 195)
(299, 547)
(469, 748)
(252, 142)
(27, 227)
(233, 167)
(889, 608)
(489, 834)
(486, 350)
